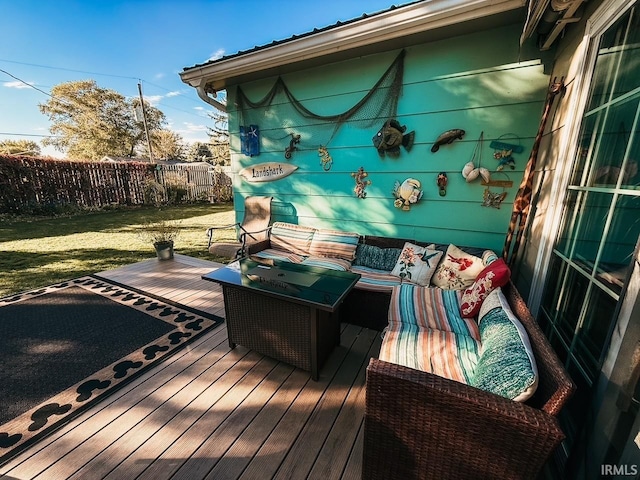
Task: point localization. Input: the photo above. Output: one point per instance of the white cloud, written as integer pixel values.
(159, 76)
(216, 55)
(174, 94)
(17, 84)
(198, 108)
(192, 127)
(153, 99)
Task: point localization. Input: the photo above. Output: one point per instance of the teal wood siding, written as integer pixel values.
(473, 82)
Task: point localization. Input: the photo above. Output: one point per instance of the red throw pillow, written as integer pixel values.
(494, 275)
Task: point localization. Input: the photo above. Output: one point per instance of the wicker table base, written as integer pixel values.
(300, 335)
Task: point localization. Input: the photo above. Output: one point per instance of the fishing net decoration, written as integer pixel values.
(279, 106)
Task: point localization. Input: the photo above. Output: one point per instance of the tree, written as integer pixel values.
(20, 147)
(219, 139)
(89, 122)
(199, 152)
(167, 145)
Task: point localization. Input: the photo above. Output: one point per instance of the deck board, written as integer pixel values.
(212, 412)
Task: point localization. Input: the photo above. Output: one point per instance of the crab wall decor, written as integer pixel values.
(407, 193)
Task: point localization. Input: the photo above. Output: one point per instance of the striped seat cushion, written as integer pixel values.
(430, 307)
(334, 243)
(292, 238)
(375, 280)
(281, 255)
(442, 353)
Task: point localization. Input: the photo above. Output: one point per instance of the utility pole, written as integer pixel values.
(144, 120)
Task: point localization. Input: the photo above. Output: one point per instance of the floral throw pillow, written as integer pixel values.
(495, 275)
(458, 269)
(416, 264)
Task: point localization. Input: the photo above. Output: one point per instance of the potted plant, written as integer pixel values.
(162, 234)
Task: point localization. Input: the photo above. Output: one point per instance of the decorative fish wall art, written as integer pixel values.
(447, 137)
(390, 137)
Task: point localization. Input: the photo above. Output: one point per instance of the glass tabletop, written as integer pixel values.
(322, 287)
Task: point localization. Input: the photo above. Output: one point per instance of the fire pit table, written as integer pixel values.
(287, 311)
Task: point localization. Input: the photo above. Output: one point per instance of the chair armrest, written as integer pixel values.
(257, 247)
(210, 231)
(248, 238)
(420, 425)
(252, 237)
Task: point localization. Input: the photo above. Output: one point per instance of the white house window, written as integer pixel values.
(600, 224)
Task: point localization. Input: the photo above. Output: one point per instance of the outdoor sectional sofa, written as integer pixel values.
(466, 385)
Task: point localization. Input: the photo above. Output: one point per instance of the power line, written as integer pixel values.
(59, 99)
(67, 69)
(26, 83)
(28, 135)
(100, 74)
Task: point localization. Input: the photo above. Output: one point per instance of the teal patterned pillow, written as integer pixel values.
(506, 365)
(376, 257)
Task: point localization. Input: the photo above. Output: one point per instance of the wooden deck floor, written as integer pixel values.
(211, 412)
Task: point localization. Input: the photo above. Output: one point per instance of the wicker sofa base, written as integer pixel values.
(421, 426)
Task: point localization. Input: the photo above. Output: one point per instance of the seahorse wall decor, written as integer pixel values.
(522, 203)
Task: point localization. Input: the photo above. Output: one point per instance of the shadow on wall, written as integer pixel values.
(283, 212)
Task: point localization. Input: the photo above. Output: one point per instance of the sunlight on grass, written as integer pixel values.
(38, 252)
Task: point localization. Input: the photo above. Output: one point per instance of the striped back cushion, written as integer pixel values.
(334, 243)
(326, 262)
(292, 238)
(443, 353)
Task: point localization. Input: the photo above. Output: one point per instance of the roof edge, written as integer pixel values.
(387, 25)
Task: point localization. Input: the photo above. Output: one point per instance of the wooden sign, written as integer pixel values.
(498, 183)
(267, 172)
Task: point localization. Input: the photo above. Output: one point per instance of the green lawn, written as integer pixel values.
(35, 252)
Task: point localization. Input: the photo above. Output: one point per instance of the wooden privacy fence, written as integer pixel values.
(201, 181)
(27, 182)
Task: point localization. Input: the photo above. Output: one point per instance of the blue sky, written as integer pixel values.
(119, 42)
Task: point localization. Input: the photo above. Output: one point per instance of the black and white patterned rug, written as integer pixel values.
(69, 345)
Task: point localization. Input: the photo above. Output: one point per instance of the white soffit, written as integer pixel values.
(388, 25)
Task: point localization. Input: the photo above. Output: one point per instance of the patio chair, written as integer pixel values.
(254, 228)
